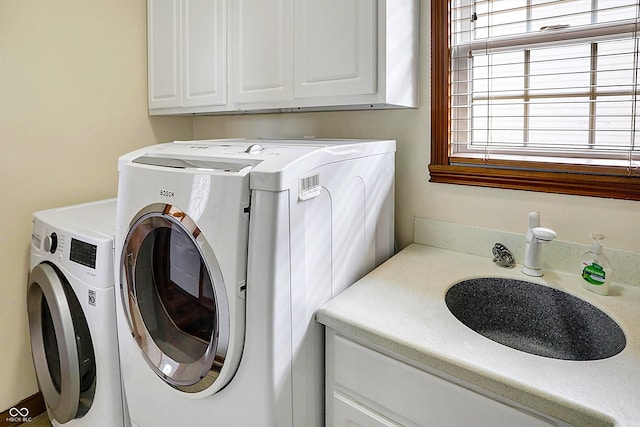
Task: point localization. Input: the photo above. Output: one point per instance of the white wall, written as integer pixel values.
(72, 99)
(573, 217)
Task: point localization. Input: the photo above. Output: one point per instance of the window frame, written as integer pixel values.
(574, 179)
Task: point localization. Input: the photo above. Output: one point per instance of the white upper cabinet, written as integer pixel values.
(163, 29)
(281, 55)
(204, 59)
(187, 55)
(335, 45)
(261, 53)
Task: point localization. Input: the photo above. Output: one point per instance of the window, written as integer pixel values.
(537, 95)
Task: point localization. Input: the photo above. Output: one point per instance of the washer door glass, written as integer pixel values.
(61, 344)
(175, 298)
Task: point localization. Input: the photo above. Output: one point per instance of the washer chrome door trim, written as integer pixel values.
(45, 283)
(199, 370)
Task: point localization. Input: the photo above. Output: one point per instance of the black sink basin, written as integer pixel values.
(536, 319)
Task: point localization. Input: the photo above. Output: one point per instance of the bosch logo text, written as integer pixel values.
(166, 193)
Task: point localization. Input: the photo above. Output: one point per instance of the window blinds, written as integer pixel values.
(545, 80)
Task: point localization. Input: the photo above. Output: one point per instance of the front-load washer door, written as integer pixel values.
(61, 344)
(175, 300)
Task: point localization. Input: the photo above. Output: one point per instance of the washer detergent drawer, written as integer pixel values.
(61, 344)
(367, 388)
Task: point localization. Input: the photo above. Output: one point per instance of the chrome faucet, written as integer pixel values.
(536, 236)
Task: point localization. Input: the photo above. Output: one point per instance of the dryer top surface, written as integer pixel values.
(269, 161)
(96, 220)
(78, 239)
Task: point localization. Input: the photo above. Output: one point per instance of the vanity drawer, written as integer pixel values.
(395, 393)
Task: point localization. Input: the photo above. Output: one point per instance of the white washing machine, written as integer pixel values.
(71, 309)
(224, 251)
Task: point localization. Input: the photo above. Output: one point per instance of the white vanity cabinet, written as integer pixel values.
(282, 55)
(187, 59)
(367, 388)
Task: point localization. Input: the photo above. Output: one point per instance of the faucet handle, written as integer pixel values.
(534, 220)
(544, 234)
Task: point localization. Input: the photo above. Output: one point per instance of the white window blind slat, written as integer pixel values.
(555, 35)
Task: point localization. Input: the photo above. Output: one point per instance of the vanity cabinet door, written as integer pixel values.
(348, 413)
(186, 54)
(370, 389)
(261, 54)
(335, 48)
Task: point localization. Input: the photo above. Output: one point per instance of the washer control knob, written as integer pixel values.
(254, 148)
(51, 243)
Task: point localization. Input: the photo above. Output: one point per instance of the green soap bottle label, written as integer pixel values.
(594, 274)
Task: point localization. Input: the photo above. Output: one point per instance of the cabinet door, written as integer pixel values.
(363, 384)
(204, 55)
(163, 32)
(348, 413)
(261, 57)
(335, 47)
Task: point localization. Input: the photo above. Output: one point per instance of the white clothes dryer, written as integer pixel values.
(71, 309)
(224, 251)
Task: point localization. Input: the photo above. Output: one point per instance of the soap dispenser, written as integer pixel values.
(596, 270)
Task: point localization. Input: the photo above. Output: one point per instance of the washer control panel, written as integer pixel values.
(83, 253)
(78, 240)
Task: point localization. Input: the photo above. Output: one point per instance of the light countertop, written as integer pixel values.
(400, 307)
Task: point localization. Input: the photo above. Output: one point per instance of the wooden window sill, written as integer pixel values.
(595, 185)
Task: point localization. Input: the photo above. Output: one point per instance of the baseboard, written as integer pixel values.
(28, 408)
